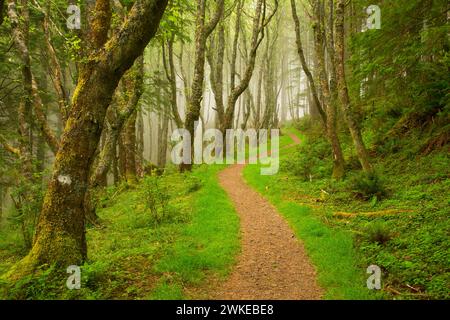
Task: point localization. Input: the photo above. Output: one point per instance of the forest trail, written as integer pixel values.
(273, 263)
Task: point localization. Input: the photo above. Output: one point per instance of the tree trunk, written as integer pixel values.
(169, 67)
(305, 67)
(260, 21)
(60, 235)
(355, 132)
(257, 118)
(216, 66)
(162, 142)
(202, 32)
(2, 9)
(129, 148)
(20, 31)
(140, 145)
(117, 115)
(330, 108)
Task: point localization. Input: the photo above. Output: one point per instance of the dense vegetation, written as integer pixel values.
(91, 93)
(156, 241)
(397, 219)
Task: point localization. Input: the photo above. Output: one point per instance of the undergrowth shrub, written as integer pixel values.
(193, 183)
(157, 199)
(27, 198)
(312, 161)
(367, 186)
(46, 283)
(378, 232)
(105, 197)
(304, 124)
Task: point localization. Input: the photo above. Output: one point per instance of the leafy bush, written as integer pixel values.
(157, 199)
(378, 232)
(46, 283)
(304, 124)
(312, 161)
(367, 186)
(193, 184)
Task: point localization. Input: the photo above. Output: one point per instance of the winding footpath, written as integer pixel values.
(273, 263)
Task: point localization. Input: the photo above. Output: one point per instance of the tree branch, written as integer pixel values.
(211, 25)
(57, 75)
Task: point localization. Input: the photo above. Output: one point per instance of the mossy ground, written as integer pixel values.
(135, 255)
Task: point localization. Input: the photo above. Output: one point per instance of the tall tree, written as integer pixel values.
(327, 107)
(169, 68)
(20, 30)
(215, 57)
(60, 235)
(306, 69)
(260, 21)
(203, 30)
(324, 76)
(128, 148)
(355, 131)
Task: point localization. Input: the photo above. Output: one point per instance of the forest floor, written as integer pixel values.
(231, 233)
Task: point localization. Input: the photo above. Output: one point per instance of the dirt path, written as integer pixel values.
(295, 139)
(273, 263)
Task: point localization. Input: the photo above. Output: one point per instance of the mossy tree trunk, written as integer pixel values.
(20, 31)
(60, 235)
(129, 148)
(162, 139)
(202, 31)
(117, 116)
(328, 100)
(355, 131)
(20, 35)
(140, 144)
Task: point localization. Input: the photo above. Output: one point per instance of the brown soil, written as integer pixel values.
(273, 263)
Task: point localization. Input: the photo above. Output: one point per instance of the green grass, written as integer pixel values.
(331, 250)
(137, 255)
(210, 242)
(411, 219)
